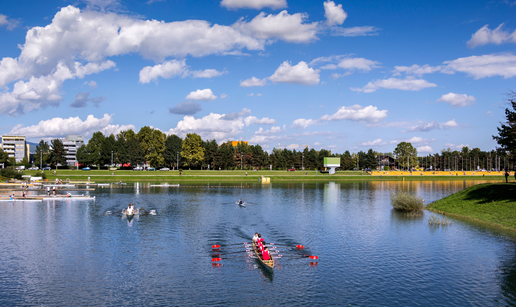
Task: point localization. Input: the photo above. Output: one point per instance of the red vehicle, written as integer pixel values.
(291, 170)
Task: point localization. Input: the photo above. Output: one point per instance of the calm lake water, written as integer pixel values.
(75, 253)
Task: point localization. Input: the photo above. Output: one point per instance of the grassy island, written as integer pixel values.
(490, 203)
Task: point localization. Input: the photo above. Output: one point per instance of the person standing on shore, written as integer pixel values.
(48, 190)
(506, 176)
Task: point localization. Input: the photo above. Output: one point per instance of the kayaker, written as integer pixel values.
(130, 209)
(265, 254)
(255, 237)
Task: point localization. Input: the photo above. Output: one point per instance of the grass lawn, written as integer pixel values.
(233, 175)
(491, 203)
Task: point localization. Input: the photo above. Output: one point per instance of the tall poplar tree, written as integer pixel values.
(193, 149)
(173, 147)
(57, 153)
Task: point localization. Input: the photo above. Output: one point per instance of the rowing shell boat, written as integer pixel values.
(241, 204)
(268, 264)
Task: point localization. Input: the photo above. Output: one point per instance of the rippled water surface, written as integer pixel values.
(75, 253)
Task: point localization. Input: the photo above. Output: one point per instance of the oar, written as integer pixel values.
(229, 203)
(246, 251)
(225, 248)
(218, 259)
(219, 245)
(300, 256)
(290, 245)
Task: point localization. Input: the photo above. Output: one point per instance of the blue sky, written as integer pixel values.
(327, 74)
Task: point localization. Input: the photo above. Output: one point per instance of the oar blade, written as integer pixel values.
(216, 259)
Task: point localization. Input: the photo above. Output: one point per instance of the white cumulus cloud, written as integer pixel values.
(253, 120)
(211, 126)
(298, 74)
(457, 100)
(483, 66)
(253, 82)
(334, 14)
(368, 114)
(165, 70)
(201, 95)
(302, 123)
(425, 148)
(486, 36)
(59, 127)
(254, 4)
(408, 84)
(283, 26)
(375, 143)
(433, 125)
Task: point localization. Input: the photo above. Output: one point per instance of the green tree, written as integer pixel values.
(370, 160)
(107, 147)
(94, 149)
(136, 154)
(83, 156)
(210, 152)
(406, 153)
(152, 142)
(224, 157)
(311, 158)
(42, 153)
(192, 150)
(121, 152)
(243, 155)
(4, 157)
(259, 156)
(173, 146)
(57, 153)
(506, 137)
(346, 161)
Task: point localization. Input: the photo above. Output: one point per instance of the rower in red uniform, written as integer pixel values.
(265, 254)
(259, 240)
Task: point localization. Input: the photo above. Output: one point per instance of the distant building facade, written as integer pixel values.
(71, 143)
(235, 143)
(16, 147)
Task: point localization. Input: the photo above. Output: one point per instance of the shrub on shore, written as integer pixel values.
(10, 173)
(406, 202)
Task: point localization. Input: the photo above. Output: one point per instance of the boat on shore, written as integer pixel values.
(165, 185)
(21, 199)
(268, 264)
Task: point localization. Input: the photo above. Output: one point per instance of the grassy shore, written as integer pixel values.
(235, 176)
(493, 204)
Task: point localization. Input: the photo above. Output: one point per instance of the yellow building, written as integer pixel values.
(235, 143)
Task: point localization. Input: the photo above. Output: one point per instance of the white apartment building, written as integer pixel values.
(15, 146)
(71, 144)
